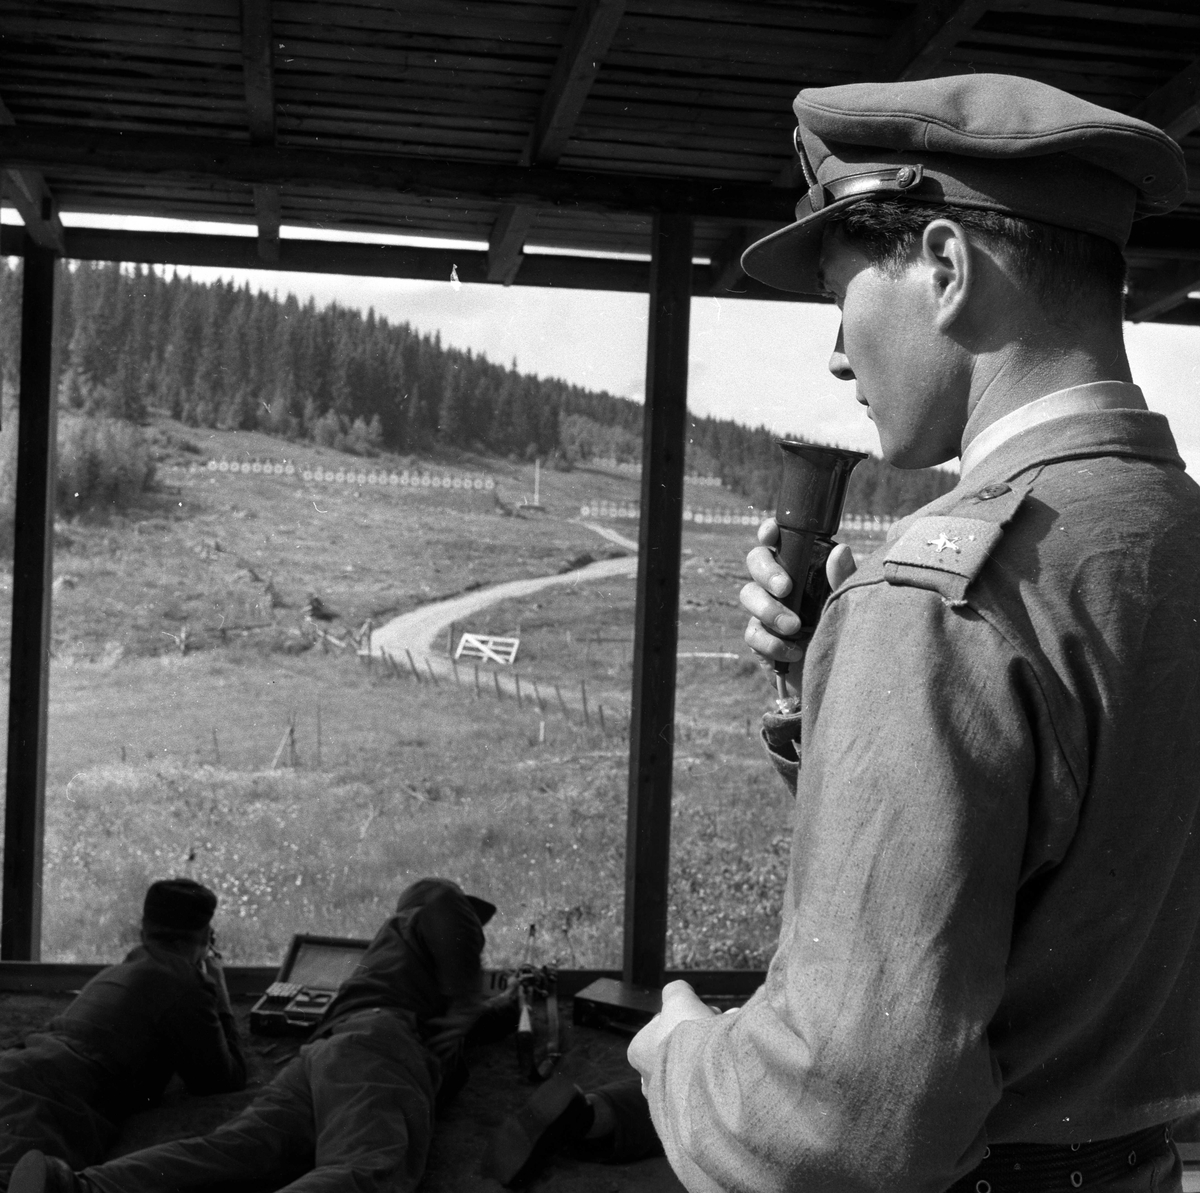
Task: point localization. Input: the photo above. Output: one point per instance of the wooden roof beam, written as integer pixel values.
(157, 156)
(258, 71)
(32, 198)
(1175, 106)
(369, 260)
(926, 36)
(1170, 288)
(588, 37)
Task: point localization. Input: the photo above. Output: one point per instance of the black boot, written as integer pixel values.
(556, 1116)
(38, 1173)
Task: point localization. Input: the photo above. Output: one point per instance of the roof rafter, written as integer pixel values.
(588, 37)
(32, 198)
(258, 70)
(152, 154)
(1172, 284)
(926, 36)
(1175, 106)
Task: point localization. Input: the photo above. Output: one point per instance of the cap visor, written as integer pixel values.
(790, 259)
(483, 909)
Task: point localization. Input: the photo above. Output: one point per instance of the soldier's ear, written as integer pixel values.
(949, 261)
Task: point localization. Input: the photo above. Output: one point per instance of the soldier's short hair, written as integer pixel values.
(1068, 272)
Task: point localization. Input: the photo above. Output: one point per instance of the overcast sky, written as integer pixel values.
(756, 362)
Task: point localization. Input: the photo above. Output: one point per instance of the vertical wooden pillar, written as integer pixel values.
(24, 806)
(652, 729)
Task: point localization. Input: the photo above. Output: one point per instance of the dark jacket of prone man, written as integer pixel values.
(67, 1090)
(354, 1112)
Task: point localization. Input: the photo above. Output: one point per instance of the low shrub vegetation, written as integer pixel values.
(104, 465)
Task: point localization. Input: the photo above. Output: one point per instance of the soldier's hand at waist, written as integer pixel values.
(679, 1004)
(769, 633)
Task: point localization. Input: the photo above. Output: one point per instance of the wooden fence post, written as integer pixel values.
(429, 668)
(520, 702)
(413, 665)
(562, 703)
(478, 693)
(496, 677)
(587, 720)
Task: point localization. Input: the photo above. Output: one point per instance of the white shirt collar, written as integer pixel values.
(1079, 399)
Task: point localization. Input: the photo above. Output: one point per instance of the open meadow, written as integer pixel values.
(182, 653)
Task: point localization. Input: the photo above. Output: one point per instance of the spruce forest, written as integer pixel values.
(136, 341)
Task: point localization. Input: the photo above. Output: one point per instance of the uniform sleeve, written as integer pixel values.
(204, 1041)
(450, 931)
(863, 1062)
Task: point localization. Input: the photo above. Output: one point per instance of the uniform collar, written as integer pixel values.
(1079, 399)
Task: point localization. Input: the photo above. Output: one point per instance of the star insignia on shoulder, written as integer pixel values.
(943, 543)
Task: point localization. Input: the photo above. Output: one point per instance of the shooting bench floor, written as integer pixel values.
(495, 1088)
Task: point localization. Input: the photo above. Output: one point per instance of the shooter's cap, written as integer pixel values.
(426, 889)
(992, 142)
(180, 904)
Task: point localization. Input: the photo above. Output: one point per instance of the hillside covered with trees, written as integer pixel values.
(218, 355)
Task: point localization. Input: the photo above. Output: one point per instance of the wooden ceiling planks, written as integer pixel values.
(694, 90)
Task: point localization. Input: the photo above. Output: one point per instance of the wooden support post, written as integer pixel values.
(496, 677)
(29, 675)
(413, 665)
(520, 702)
(478, 693)
(652, 719)
(429, 668)
(587, 720)
(562, 703)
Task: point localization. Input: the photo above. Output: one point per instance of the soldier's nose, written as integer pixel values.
(839, 364)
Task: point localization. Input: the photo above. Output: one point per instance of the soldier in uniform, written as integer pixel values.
(354, 1111)
(989, 959)
(163, 1010)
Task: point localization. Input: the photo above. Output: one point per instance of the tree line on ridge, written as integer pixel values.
(136, 339)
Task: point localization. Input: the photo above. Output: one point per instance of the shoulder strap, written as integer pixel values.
(944, 553)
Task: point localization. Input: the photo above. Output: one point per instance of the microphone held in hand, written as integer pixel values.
(812, 494)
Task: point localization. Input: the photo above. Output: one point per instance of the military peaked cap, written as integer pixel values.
(423, 890)
(991, 142)
(179, 903)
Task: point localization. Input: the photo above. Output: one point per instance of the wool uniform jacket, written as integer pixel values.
(990, 926)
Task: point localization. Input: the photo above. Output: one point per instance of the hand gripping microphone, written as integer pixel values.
(812, 493)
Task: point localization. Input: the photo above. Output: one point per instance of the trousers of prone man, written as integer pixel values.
(353, 1113)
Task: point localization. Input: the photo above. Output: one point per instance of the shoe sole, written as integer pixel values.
(29, 1175)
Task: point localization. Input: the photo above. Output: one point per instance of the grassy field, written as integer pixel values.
(159, 760)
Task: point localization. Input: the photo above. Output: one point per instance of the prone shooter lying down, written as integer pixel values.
(162, 1010)
(354, 1111)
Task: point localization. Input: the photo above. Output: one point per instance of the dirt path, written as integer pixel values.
(418, 631)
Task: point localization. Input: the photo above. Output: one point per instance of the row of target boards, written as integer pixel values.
(342, 476)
